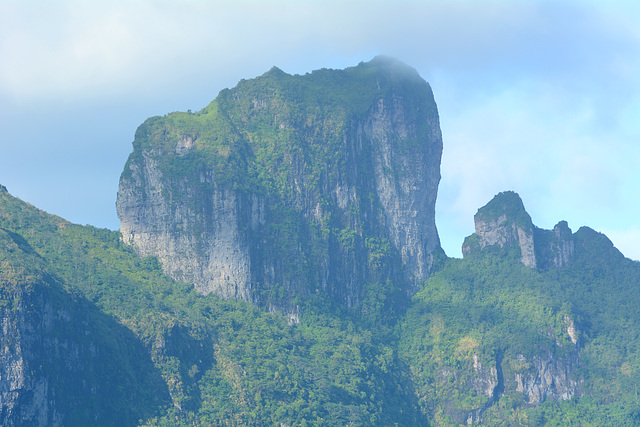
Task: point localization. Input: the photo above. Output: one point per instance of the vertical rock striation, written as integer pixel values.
(288, 186)
(555, 248)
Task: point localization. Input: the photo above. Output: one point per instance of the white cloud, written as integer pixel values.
(57, 49)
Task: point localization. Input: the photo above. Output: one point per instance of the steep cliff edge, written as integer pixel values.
(503, 223)
(289, 186)
(95, 335)
(119, 343)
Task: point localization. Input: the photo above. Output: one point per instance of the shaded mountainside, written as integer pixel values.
(287, 186)
(63, 361)
(278, 264)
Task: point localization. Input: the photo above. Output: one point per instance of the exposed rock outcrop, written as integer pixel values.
(504, 223)
(489, 382)
(486, 380)
(544, 376)
(555, 248)
(292, 185)
(549, 377)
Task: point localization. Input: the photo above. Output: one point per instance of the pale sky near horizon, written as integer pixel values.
(539, 97)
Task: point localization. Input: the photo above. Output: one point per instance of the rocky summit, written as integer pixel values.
(504, 224)
(290, 186)
(278, 264)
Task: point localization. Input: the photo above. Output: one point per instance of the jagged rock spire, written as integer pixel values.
(504, 223)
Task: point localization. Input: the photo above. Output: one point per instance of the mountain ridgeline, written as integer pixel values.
(278, 264)
(287, 186)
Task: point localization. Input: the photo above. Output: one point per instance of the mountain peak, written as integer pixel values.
(503, 222)
(275, 71)
(391, 66)
(507, 204)
(292, 185)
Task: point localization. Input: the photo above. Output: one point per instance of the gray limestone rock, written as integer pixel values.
(292, 185)
(504, 223)
(549, 378)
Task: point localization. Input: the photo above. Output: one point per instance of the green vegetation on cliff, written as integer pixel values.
(478, 324)
(336, 329)
(64, 360)
(223, 362)
(287, 186)
(474, 330)
(250, 135)
(566, 339)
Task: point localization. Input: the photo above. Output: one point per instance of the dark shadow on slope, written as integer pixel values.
(77, 365)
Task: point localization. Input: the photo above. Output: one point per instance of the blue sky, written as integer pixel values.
(540, 97)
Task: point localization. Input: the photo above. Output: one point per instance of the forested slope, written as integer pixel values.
(490, 338)
(222, 362)
(102, 335)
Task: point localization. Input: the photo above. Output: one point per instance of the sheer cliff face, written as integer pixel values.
(406, 183)
(503, 223)
(503, 227)
(292, 185)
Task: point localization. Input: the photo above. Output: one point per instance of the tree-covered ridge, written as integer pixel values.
(62, 355)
